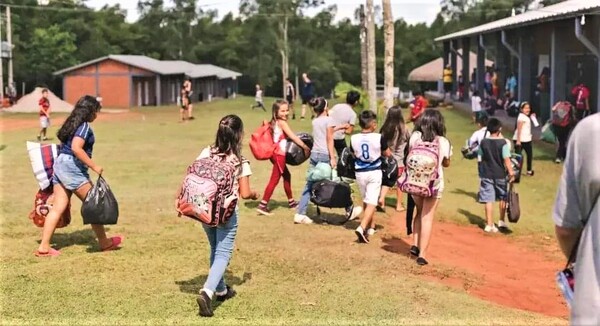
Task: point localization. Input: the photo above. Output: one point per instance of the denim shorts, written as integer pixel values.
(491, 190)
(70, 172)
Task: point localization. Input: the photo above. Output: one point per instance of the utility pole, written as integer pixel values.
(364, 77)
(10, 44)
(1, 65)
(371, 57)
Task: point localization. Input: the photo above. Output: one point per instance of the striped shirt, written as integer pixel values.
(85, 132)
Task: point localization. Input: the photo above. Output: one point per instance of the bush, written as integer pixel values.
(342, 88)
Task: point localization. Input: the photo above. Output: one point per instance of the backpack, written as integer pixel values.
(561, 117)
(261, 142)
(513, 109)
(42, 204)
(469, 151)
(345, 166)
(207, 192)
(421, 172)
(389, 169)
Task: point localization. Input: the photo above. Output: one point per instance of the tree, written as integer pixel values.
(371, 57)
(50, 49)
(364, 68)
(388, 26)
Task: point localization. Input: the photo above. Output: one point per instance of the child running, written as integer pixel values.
(44, 104)
(258, 97)
(322, 151)
(397, 135)
(71, 173)
(281, 133)
(430, 129)
(368, 148)
(494, 168)
(228, 144)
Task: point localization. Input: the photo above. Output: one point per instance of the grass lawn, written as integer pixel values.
(284, 273)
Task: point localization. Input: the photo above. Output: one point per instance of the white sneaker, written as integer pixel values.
(491, 229)
(502, 225)
(371, 232)
(302, 219)
(356, 210)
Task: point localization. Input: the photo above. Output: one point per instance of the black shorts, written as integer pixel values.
(305, 100)
(448, 87)
(339, 145)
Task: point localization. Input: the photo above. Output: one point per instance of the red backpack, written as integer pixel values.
(207, 193)
(261, 142)
(561, 117)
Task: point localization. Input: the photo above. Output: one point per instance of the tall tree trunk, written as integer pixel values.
(364, 76)
(388, 65)
(284, 50)
(371, 56)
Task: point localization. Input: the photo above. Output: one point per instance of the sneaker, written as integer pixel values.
(230, 293)
(362, 237)
(502, 225)
(371, 231)
(557, 161)
(292, 203)
(422, 261)
(414, 251)
(302, 219)
(490, 229)
(264, 210)
(204, 305)
(530, 173)
(353, 212)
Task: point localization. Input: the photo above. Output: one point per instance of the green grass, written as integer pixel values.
(284, 273)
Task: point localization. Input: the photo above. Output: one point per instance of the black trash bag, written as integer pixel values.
(389, 167)
(345, 166)
(294, 155)
(100, 205)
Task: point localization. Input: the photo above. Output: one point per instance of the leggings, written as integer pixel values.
(279, 170)
(562, 135)
(528, 147)
(410, 209)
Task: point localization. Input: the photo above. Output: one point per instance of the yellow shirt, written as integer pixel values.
(447, 75)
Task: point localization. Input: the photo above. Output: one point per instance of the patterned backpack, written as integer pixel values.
(420, 175)
(207, 193)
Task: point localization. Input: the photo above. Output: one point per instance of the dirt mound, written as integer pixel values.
(493, 267)
(30, 103)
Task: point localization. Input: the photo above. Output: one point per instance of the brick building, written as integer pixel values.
(125, 81)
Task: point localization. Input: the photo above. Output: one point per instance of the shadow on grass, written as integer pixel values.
(81, 237)
(2, 147)
(466, 193)
(396, 245)
(273, 204)
(193, 286)
(473, 219)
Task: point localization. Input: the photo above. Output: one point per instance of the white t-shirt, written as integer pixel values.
(277, 137)
(445, 152)
(478, 136)
(526, 135)
(258, 96)
(476, 104)
(368, 149)
(243, 169)
(341, 114)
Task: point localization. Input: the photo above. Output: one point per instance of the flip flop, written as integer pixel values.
(50, 253)
(116, 241)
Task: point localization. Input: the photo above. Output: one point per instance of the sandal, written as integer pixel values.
(50, 253)
(116, 241)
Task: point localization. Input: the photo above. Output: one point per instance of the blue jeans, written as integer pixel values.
(221, 241)
(315, 158)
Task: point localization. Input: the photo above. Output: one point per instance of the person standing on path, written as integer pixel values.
(290, 96)
(447, 78)
(344, 114)
(563, 119)
(581, 96)
(44, 104)
(576, 217)
(308, 93)
(523, 137)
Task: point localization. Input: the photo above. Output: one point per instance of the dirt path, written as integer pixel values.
(494, 267)
(10, 124)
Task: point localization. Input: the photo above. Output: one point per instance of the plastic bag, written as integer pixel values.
(100, 205)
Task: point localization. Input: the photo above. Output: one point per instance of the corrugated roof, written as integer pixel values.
(432, 71)
(561, 10)
(163, 67)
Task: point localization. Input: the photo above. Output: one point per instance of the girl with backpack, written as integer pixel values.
(395, 131)
(71, 173)
(228, 145)
(523, 137)
(323, 151)
(281, 133)
(429, 153)
(562, 122)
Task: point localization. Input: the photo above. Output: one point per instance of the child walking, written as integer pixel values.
(323, 151)
(368, 148)
(523, 137)
(494, 169)
(281, 133)
(431, 128)
(259, 99)
(228, 144)
(44, 104)
(397, 135)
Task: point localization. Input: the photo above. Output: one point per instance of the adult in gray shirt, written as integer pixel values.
(577, 211)
(343, 115)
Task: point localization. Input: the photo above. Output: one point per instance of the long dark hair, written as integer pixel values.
(431, 125)
(229, 136)
(318, 104)
(84, 111)
(394, 128)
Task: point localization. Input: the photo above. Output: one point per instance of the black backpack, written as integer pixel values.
(345, 166)
(331, 194)
(389, 167)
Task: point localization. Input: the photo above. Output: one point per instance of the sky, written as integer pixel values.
(412, 11)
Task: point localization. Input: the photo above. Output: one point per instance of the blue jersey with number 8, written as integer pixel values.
(368, 149)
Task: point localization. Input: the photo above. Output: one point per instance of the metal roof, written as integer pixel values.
(162, 67)
(561, 10)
